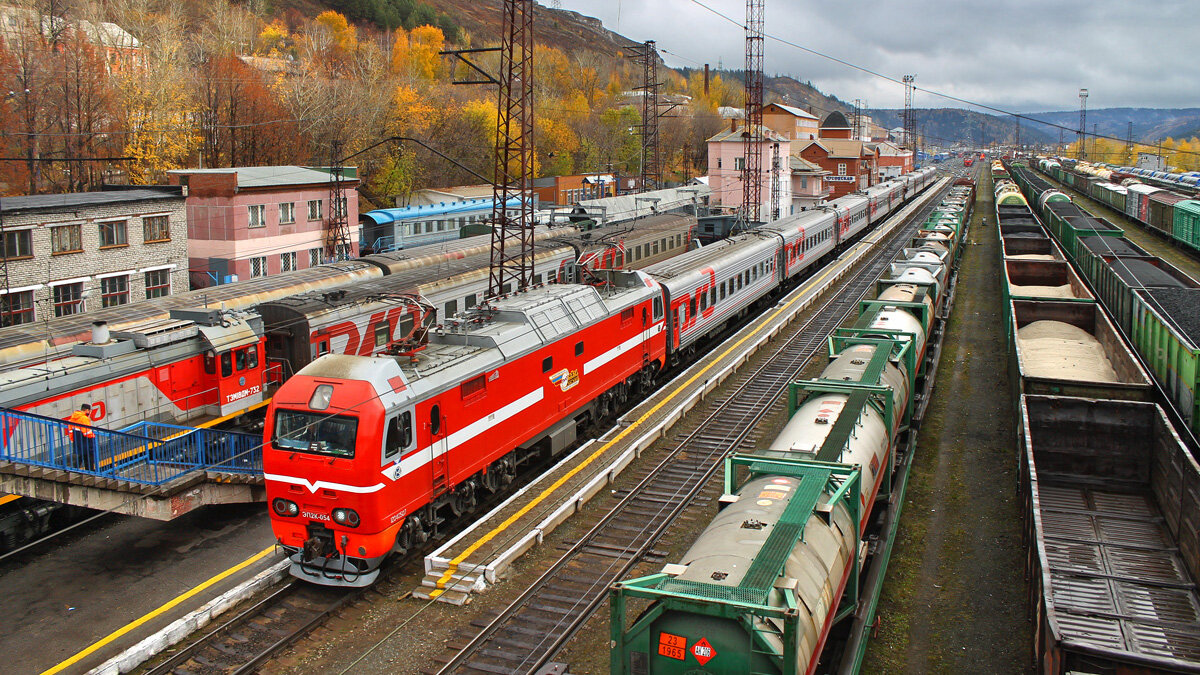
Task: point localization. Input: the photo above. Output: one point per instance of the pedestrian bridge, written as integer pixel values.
(149, 469)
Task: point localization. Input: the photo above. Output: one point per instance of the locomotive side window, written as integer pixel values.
(435, 420)
(399, 434)
(239, 359)
(451, 309)
(476, 387)
(578, 349)
(472, 300)
(226, 364)
(382, 333)
(252, 357)
(210, 364)
(658, 309)
(322, 347)
(547, 364)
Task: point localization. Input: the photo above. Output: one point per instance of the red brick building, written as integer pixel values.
(566, 190)
(850, 163)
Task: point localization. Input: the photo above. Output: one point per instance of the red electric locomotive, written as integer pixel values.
(367, 456)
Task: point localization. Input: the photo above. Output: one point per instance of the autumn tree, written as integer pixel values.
(241, 122)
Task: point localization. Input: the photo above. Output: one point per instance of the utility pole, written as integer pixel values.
(1017, 148)
(1082, 152)
(910, 117)
(753, 134)
(856, 116)
(1129, 143)
(337, 230)
(512, 230)
(1060, 142)
(651, 171)
(1094, 151)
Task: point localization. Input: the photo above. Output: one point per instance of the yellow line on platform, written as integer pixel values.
(96, 646)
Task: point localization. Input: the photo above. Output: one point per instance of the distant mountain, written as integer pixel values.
(1149, 124)
(946, 126)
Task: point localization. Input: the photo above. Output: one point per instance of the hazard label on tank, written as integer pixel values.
(672, 646)
(703, 651)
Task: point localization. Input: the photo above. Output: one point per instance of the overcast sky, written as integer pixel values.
(1018, 55)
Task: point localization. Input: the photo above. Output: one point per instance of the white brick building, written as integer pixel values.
(65, 254)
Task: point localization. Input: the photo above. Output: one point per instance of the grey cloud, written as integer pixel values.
(1017, 55)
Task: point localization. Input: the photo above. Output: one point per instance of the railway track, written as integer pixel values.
(527, 634)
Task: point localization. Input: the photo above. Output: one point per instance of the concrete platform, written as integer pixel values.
(479, 556)
(119, 589)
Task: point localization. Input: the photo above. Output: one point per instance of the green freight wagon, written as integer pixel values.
(1186, 228)
(1166, 330)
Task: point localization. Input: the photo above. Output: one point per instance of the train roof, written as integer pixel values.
(689, 262)
(35, 337)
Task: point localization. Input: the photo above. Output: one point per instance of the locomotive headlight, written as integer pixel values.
(347, 517)
(283, 507)
(321, 397)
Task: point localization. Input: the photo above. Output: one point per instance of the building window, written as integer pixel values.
(156, 228)
(113, 234)
(287, 213)
(66, 239)
(158, 283)
(739, 163)
(841, 168)
(258, 267)
(314, 209)
(287, 262)
(314, 257)
(18, 244)
(67, 298)
(114, 291)
(342, 251)
(258, 215)
(803, 183)
(718, 162)
(16, 308)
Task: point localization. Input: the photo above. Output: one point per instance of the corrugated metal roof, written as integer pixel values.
(74, 200)
(798, 112)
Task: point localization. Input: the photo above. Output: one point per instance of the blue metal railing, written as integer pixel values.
(149, 453)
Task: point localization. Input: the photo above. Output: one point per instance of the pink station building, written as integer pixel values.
(257, 221)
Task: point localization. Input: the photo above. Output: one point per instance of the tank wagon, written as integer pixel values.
(784, 564)
(576, 352)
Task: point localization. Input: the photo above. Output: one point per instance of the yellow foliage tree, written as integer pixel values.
(272, 38)
(556, 144)
(424, 44)
(413, 112)
(399, 61)
(341, 34)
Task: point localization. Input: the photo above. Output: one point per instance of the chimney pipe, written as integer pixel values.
(732, 124)
(100, 332)
(706, 80)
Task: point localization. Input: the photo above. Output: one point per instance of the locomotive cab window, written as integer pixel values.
(315, 433)
(399, 434)
(658, 309)
(226, 364)
(252, 357)
(210, 363)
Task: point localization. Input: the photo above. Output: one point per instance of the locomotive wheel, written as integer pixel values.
(464, 498)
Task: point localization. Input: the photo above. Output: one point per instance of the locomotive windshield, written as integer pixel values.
(316, 433)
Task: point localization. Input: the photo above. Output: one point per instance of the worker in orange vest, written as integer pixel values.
(83, 438)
